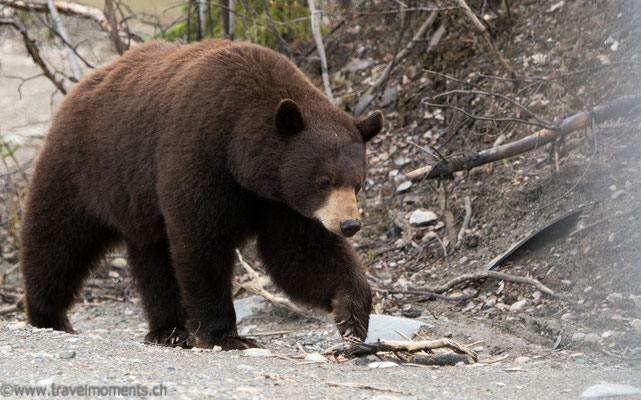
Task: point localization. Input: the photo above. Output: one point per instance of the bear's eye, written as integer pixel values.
(357, 188)
(324, 182)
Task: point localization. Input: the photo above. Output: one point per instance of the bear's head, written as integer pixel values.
(324, 164)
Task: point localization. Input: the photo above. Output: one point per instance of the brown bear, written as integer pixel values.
(182, 153)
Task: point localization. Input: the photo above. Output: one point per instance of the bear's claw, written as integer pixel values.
(172, 337)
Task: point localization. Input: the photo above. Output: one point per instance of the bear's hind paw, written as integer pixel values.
(170, 336)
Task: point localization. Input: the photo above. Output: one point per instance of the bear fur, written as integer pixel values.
(182, 153)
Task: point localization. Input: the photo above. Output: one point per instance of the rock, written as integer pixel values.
(490, 303)
(422, 217)
(518, 305)
(411, 199)
(462, 260)
(403, 187)
(257, 353)
(358, 64)
(618, 194)
(591, 338)
(636, 324)
(67, 354)
(390, 94)
(521, 360)
(448, 334)
(382, 327)
(566, 317)
(248, 306)
(382, 364)
(17, 326)
(578, 337)
(401, 162)
(6, 349)
(45, 382)
(315, 357)
(605, 389)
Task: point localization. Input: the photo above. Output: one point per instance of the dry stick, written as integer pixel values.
(111, 18)
(600, 113)
(318, 38)
(354, 385)
(466, 221)
(8, 272)
(476, 276)
(34, 53)
(73, 61)
(255, 287)
(479, 25)
(68, 8)
(368, 96)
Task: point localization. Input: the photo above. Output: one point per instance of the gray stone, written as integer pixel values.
(422, 217)
(358, 64)
(315, 357)
(578, 337)
(591, 338)
(389, 96)
(67, 354)
(382, 364)
(403, 187)
(618, 194)
(605, 389)
(248, 306)
(518, 305)
(382, 327)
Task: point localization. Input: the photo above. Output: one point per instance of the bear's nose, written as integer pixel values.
(350, 226)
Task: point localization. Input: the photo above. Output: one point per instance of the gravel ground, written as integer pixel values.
(114, 355)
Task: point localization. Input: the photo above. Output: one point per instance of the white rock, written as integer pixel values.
(591, 338)
(44, 382)
(521, 360)
(17, 326)
(578, 337)
(518, 305)
(315, 357)
(605, 389)
(422, 217)
(566, 317)
(382, 364)
(6, 349)
(404, 187)
(636, 324)
(257, 353)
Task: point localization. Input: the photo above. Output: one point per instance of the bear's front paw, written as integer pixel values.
(229, 343)
(351, 316)
(170, 336)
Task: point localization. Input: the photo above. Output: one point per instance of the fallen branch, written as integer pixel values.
(254, 286)
(408, 346)
(476, 276)
(599, 114)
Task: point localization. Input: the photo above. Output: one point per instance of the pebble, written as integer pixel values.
(315, 357)
(404, 187)
(566, 317)
(521, 360)
(591, 338)
(6, 349)
(636, 324)
(578, 337)
(257, 353)
(490, 303)
(17, 326)
(422, 217)
(462, 260)
(618, 194)
(518, 305)
(382, 364)
(67, 354)
(605, 389)
(44, 382)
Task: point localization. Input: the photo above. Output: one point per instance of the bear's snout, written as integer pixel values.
(339, 213)
(349, 227)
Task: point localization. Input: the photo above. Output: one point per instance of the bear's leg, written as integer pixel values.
(60, 245)
(204, 271)
(316, 267)
(156, 282)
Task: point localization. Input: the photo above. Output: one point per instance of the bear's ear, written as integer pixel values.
(289, 119)
(370, 126)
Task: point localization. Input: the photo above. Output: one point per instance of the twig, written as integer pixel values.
(255, 287)
(355, 385)
(601, 113)
(318, 38)
(395, 346)
(466, 221)
(8, 310)
(367, 98)
(8, 272)
(111, 19)
(479, 25)
(476, 276)
(34, 53)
